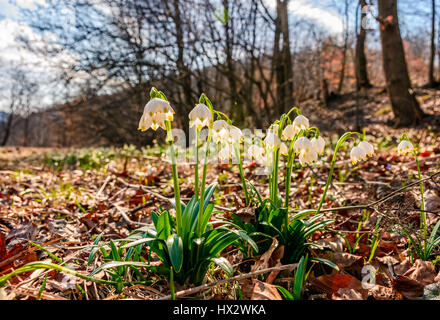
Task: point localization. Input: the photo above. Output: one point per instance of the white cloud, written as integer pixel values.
(31, 4)
(330, 20)
(39, 66)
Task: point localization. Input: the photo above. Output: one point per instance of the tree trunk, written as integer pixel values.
(344, 51)
(283, 59)
(360, 58)
(7, 129)
(183, 72)
(406, 109)
(237, 106)
(432, 82)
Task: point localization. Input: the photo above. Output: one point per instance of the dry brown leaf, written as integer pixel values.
(422, 271)
(331, 284)
(409, 288)
(265, 291)
(263, 262)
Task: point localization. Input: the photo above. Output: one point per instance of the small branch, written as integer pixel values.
(223, 281)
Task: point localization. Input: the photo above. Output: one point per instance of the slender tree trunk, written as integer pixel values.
(237, 106)
(283, 58)
(362, 80)
(403, 100)
(183, 72)
(344, 52)
(7, 129)
(432, 81)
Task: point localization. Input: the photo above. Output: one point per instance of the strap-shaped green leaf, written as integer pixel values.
(175, 250)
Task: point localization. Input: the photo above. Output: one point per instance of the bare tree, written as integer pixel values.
(361, 73)
(403, 100)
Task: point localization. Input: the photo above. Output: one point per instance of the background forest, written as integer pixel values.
(77, 73)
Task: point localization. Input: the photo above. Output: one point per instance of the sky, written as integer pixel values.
(326, 13)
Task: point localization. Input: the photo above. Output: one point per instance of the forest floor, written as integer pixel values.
(62, 199)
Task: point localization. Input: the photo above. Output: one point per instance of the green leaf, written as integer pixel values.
(286, 294)
(224, 264)
(117, 264)
(299, 278)
(163, 227)
(137, 242)
(175, 250)
(94, 249)
(325, 261)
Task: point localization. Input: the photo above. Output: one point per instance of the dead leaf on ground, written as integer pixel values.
(409, 288)
(422, 271)
(331, 284)
(265, 291)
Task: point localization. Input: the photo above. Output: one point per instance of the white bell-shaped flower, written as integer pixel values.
(284, 150)
(405, 147)
(357, 154)
(156, 112)
(308, 157)
(200, 117)
(368, 147)
(272, 141)
(301, 122)
(302, 144)
(235, 135)
(220, 131)
(318, 144)
(289, 132)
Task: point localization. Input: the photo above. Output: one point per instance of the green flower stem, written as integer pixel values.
(341, 140)
(175, 179)
(240, 167)
(288, 179)
(275, 175)
(173, 291)
(423, 226)
(196, 166)
(203, 187)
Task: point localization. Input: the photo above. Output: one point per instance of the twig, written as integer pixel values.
(392, 194)
(236, 278)
(126, 218)
(103, 186)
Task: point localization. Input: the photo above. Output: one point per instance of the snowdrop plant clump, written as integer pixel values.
(188, 244)
(423, 247)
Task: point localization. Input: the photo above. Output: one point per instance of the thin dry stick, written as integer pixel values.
(236, 278)
(127, 219)
(392, 194)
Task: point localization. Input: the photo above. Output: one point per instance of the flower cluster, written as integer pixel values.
(156, 112)
(361, 151)
(405, 147)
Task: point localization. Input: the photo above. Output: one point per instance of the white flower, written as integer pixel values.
(272, 141)
(368, 147)
(318, 144)
(289, 132)
(357, 154)
(200, 117)
(405, 147)
(156, 112)
(303, 143)
(220, 131)
(301, 122)
(256, 152)
(235, 134)
(283, 149)
(308, 157)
